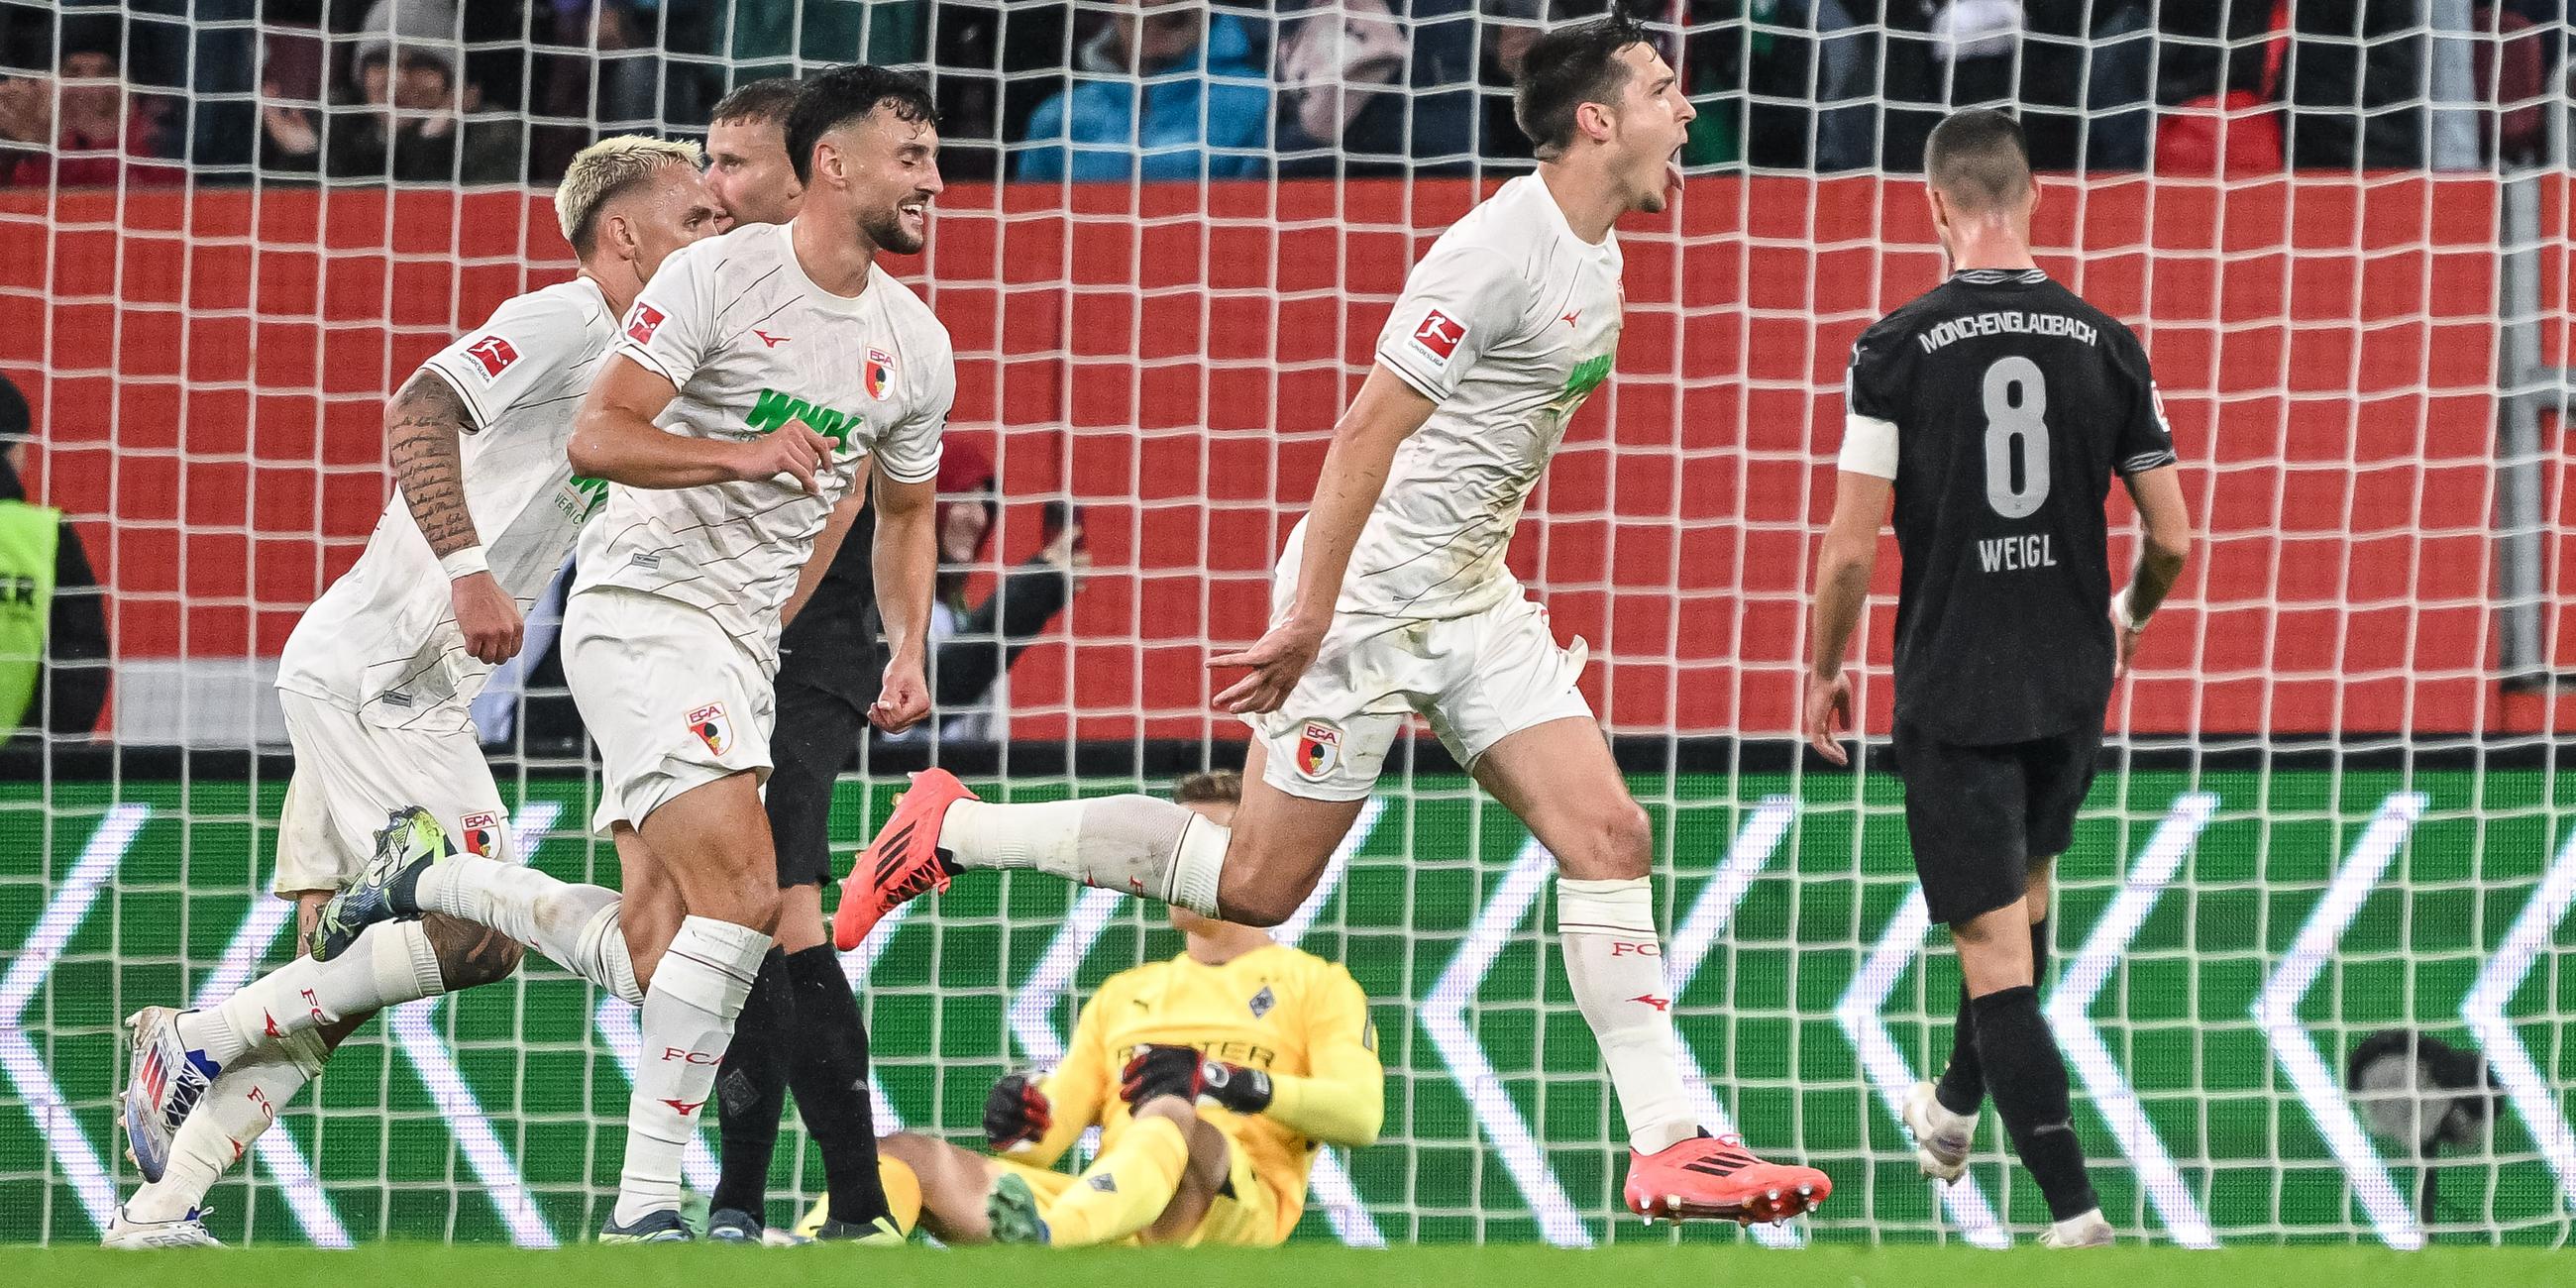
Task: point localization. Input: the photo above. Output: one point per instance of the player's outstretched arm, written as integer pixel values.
(2162, 554)
(1341, 1099)
(907, 567)
(1387, 411)
(424, 425)
(614, 438)
(1843, 571)
(1073, 1092)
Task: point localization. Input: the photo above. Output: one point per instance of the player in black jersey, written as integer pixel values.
(1994, 411)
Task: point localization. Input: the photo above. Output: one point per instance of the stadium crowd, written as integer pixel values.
(505, 91)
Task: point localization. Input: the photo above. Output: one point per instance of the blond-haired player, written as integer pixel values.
(377, 679)
(1214, 1077)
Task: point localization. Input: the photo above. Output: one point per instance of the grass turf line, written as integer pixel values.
(1303, 1266)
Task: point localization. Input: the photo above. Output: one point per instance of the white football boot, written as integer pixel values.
(1941, 1138)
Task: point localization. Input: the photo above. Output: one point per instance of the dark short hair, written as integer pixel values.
(1978, 159)
(834, 98)
(765, 102)
(1567, 68)
(1209, 787)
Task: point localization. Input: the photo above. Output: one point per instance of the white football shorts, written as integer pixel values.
(1478, 679)
(350, 776)
(671, 700)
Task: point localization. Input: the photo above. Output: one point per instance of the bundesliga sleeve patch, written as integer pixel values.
(495, 355)
(1439, 335)
(641, 324)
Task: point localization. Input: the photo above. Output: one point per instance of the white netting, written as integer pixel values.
(2336, 811)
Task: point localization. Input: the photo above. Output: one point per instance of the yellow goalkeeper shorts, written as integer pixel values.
(1246, 1213)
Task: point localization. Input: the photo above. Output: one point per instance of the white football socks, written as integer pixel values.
(1144, 846)
(243, 1102)
(688, 1021)
(1615, 962)
(390, 964)
(576, 925)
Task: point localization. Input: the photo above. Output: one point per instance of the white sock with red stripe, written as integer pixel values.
(688, 1021)
(390, 964)
(243, 1102)
(1615, 962)
(1141, 845)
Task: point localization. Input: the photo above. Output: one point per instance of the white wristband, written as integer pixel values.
(464, 563)
(2129, 620)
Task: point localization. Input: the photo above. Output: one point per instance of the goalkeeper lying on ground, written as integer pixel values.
(1214, 1078)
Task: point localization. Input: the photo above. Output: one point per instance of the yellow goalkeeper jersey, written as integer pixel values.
(1291, 1014)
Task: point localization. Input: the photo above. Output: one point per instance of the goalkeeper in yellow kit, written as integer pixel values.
(1214, 1077)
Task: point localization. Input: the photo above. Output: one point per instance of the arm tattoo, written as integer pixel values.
(421, 430)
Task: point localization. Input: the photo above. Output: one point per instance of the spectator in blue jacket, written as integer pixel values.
(1142, 89)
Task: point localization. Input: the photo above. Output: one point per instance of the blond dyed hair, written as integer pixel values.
(604, 170)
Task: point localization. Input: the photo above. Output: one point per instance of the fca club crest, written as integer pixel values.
(712, 728)
(482, 835)
(1319, 748)
(1263, 1001)
(880, 372)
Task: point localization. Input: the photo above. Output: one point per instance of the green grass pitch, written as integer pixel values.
(1299, 1266)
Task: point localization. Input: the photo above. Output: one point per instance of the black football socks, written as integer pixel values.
(2026, 1074)
(828, 1071)
(751, 1089)
(1962, 1088)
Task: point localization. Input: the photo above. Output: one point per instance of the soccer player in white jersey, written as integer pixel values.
(377, 677)
(752, 382)
(1393, 597)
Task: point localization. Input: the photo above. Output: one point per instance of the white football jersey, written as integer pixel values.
(1508, 323)
(752, 344)
(382, 641)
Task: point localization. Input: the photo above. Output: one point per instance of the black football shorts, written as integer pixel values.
(818, 734)
(1980, 817)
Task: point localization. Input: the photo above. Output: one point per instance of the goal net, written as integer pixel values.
(2332, 807)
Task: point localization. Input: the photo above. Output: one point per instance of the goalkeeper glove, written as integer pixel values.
(1181, 1071)
(1017, 1114)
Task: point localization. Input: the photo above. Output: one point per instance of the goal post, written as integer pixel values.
(2322, 818)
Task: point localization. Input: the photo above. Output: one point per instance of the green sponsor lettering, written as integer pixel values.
(581, 497)
(1588, 375)
(773, 409)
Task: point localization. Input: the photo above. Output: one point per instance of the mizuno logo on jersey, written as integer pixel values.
(772, 410)
(769, 341)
